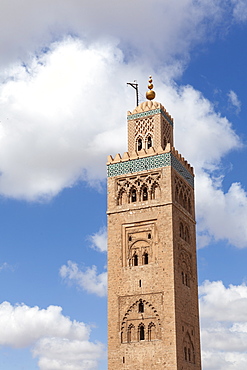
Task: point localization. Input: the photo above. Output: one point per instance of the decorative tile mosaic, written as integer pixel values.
(149, 113)
(182, 171)
(149, 163)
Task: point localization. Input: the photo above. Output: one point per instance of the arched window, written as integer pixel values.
(155, 191)
(189, 205)
(185, 202)
(181, 230)
(185, 272)
(133, 195)
(186, 280)
(151, 331)
(140, 307)
(183, 281)
(135, 260)
(181, 198)
(149, 142)
(130, 333)
(186, 234)
(189, 355)
(185, 353)
(145, 258)
(139, 144)
(122, 198)
(145, 194)
(141, 331)
(177, 193)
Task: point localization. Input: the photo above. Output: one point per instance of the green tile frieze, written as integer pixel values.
(149, 163)
(149, 113)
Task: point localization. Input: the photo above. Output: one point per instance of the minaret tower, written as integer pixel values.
(153, 320)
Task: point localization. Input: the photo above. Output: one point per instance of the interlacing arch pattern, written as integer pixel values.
(135, 327)
(138, 189)
(183, 194)
(144, 126)
(166, 133)
(185, 268)
(189, 352)
(184, 232)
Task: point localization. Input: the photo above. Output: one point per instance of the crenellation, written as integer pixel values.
(117, 158)
(150, 159)
(142, 153)
(146, 106)
(109, 159)
(183, 161)
(134, 154)
(167, 148)
(149, 152)
(126, 156)
(161, 150)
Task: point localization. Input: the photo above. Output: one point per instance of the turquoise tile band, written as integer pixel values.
(150, 113)
(149, 163)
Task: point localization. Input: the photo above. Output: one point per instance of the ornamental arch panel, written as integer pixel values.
(141, 322)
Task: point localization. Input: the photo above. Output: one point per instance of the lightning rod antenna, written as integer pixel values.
(135, 86)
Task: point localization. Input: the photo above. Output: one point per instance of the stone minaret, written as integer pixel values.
(153, 318)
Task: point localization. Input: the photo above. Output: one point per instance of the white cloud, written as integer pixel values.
(64, 354)
(221, 215)
(175, 25)
(223, 304)
(56, 125)
(23, 325)
(233, 99)
(224, 361)
(223, 326)
(99, 240)
(58, 342)
(199, 130)
(239, 10)
(86, 279)
(5, 266)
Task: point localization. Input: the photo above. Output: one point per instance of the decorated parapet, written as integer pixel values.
(149, 160)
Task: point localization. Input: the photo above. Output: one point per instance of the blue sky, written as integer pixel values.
(63, 102)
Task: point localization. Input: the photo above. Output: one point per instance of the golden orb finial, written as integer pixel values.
(150, 95)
